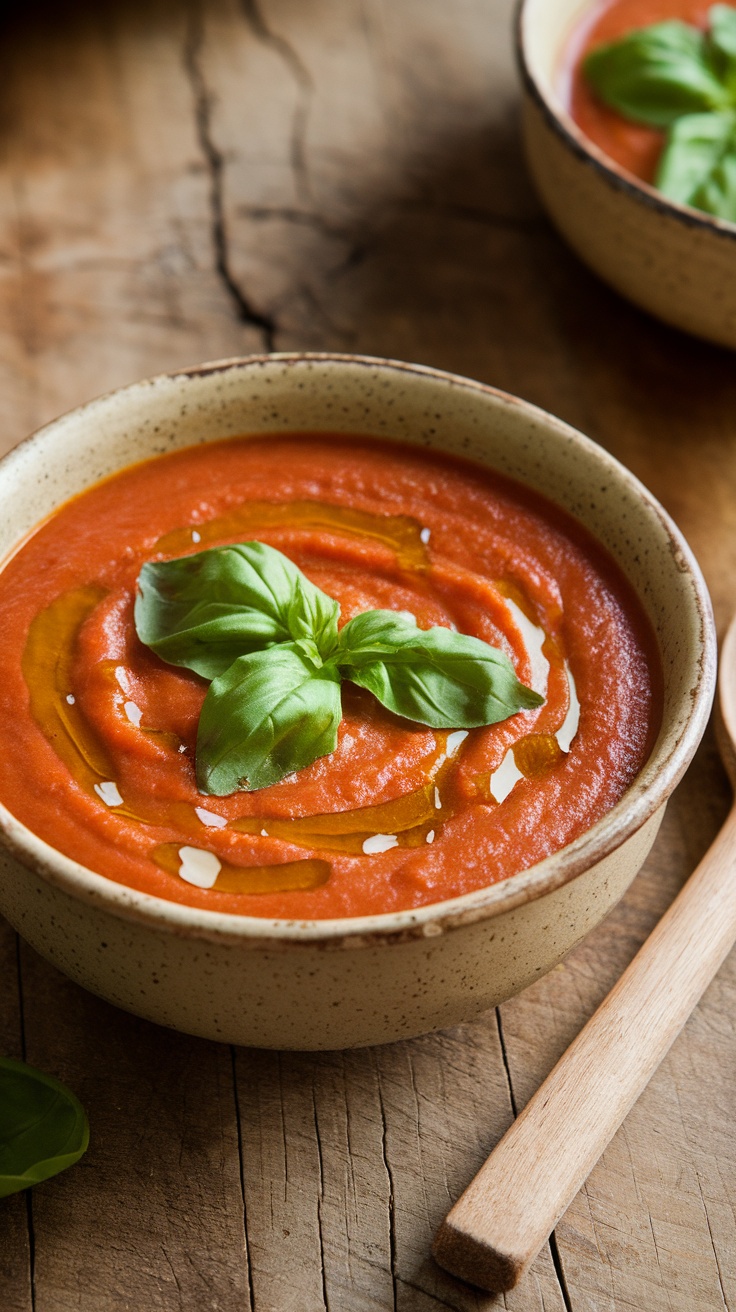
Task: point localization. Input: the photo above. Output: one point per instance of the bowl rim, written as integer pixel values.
(586, 150)
(635, 808)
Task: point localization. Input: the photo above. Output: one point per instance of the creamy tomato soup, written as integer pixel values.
(634, 147)
(100, 734)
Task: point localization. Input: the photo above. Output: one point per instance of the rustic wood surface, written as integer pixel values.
(184, 181)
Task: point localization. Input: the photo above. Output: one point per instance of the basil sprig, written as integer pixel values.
(674, 77)
(43, 1127)
(247, 619)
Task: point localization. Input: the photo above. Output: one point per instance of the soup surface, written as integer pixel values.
(634, 147)
(99, 761)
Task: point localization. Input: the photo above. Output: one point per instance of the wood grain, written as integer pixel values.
(153, 1215)
(182, 180)
(353, 1157)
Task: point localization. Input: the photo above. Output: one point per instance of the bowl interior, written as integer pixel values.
(545, 28)
(428, 408)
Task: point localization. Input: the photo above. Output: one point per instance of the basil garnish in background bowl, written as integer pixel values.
(245, 618)
(43, 1127)
(677, 78)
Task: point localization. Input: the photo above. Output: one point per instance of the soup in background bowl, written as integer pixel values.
(672, 260)
(337, 973)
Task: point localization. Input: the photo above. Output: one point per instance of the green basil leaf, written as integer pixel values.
(722, 40)
(717, 194)
(655, 74)
(204, 611)
(271, 713)
(246, 618)
(698, 166)
(43, 1127)
(438, 677)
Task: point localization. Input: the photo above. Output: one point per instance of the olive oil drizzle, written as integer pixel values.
(536, 754)
(285, 877)
(409, 818)
(47, 669)
(400, 533)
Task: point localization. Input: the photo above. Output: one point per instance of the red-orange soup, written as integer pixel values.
(98, 757)
(634, 147)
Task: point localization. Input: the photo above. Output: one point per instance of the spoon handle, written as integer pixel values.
(495, 1230)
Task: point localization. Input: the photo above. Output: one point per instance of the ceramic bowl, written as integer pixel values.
(342, 983)
(674, 261)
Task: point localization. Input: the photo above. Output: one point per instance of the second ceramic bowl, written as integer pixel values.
(671, 260)
(342, 983)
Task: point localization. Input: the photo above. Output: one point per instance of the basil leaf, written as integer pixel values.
(722, 40)
(271, 713)
(204, 611)
(435, 676)
(43, 1127)
(655, 74)
(717, 194)
(246, 618)
(698, 166)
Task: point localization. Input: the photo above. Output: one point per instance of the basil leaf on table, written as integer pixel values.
(435, 676)
(656, 74)
(271, 713)
(205, 610)
(698, 166)
(43, 1127)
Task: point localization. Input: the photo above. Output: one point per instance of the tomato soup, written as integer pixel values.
(634, 147)
(98, 758)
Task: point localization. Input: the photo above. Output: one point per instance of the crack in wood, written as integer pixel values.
(553, 1246)
(662, 1281)
(290, 214)
(320, 1198)
(246, 311)
(505, 1058)
(391, 1198)
(359, 245)
(246, 1241)
(559, 1271)
(174, 1276)
(713, 1245)
(304, 85)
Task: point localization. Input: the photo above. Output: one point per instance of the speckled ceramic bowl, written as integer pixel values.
(330, 984)
(674, 261)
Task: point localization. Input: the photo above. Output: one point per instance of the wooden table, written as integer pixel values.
(184, 181)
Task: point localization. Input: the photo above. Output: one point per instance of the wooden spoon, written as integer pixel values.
(495, 1230)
